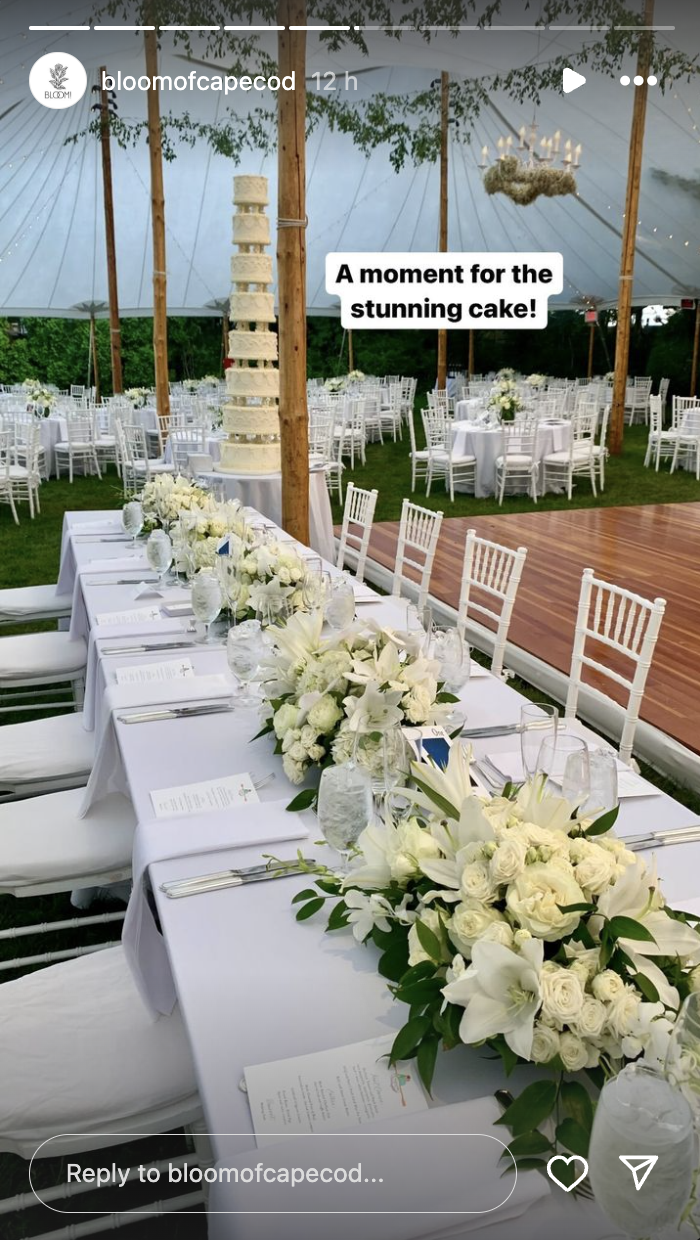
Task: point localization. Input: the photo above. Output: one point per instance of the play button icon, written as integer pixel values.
(571, 80)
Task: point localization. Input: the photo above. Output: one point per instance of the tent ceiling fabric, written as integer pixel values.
(52, 254)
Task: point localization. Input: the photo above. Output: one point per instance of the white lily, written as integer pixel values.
(300, 636)
(500, 994)
(636, 894)
(453, 784)
(544, 809)
(376, 711)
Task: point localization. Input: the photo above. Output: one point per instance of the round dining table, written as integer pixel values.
(485, 444)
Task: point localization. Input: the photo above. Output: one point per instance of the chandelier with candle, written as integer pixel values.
(529, 171)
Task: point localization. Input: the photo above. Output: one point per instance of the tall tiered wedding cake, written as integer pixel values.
(251, 416)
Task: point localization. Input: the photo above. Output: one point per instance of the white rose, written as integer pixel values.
(607, 985)
(591, 1019)
(294, 771)
(417, 704)
(469, 922)
(623, 1011)
(508, 861)
(520, 937)
(545, 1044)
(416, 953)
(562, 994)
(596, 870)
(325, 714)
(498, 932)
(476, 883)
(536, 897)
(573, 1052)
(412, 844)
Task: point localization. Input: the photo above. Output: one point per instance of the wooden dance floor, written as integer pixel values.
(653, 550)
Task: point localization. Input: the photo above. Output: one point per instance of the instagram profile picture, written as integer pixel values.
(57, 80)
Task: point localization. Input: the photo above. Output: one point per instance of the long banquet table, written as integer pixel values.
(253, 986)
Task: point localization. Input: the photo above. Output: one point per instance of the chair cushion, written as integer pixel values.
(40, 601)
(562, 458)
(53, 748)
(463, 460)
(18, 473)
(43, 840)
(87, 1055)
(520, 460)
(154, 467)
(41, 654)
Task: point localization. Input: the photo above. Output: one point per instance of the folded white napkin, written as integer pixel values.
(108, 773)
(166, 630)
(198, 835)
(437, 1176)
(79, 624)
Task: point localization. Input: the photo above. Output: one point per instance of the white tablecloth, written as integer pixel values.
(264, 492)
(465, 409)
(470, 439)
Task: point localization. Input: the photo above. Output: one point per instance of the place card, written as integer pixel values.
(204, 797)
(137, 615)
(155, 673)
(630, 784)
(147, 589)
(344, 1087)
(477, 672)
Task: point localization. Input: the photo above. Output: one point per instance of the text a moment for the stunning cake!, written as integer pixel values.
(251, 411)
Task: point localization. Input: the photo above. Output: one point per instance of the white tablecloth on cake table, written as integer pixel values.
(264, 492)
(484, 443)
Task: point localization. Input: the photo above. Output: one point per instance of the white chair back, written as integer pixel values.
(418, 536)
(358, 515)
(490, 578)
(622, 624)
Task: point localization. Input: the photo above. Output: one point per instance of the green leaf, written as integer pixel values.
(577, 1103)
(573, 1137)
(309, 909)
(525, 1164)
(303, 800)
(421, 992)
(647, 988)
(509, 1058)
(576, 908)
(428, 941)
(392, 964)
(264, 731)
(533, 1106)
(426, 1058)
(439, 801)
(307, 894)
(329, 885)
(628, 928)
(338, 918)
(444, 696)
(450, 1021)
(409, 1038)
(418, 973)
(604, 823)
(528, 1143)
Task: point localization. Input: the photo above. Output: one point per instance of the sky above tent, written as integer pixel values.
(52, 252)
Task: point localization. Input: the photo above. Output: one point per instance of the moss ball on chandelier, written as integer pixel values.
(523, 184)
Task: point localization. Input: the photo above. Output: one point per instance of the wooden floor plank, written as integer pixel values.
(652, 549)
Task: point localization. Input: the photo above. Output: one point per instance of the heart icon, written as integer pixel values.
(574, 1158)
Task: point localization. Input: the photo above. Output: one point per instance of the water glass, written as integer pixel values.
(312, 588)
(683, 1055)
(454, 656)
(344, 805)
(207, 599)
(603, 795)
(229, 579)
(538, 722)
(340, 603)
(419, 624)
(244, 652)
(555, 755)
(159, 553)
(132, 520)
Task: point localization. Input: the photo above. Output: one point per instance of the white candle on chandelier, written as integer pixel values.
(577, 156)
(522, 131)
(509, 144)
(484, 156)
(567, 151)
(557, 141)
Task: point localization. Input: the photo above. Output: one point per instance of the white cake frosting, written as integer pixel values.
(252, 308)
(251, 415)
(253, 346)
(251, 229)
(250, 191)
(253, 381)
(251, 269)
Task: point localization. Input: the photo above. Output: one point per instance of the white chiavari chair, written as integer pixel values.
(442, 460)
(105, 436)
(7, 495)
(490, 578)
(351, 431)
(660, 442)
(688, 440)
(637, 400)
(391, 416)
(622, 627)
(600, 449)
(22, 425)
(560, 468)
(356, 529)
(79, 447)
(517, 459)
(138, 467)
(419, 456)
(664, 385)
(419, 530)
(185, 442)
(25, 479)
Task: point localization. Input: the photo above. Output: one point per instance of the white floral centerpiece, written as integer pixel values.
(321, 691)
(609, 376)
(138, 396)
(356, 375)
(166, 496)
(506, 372)
(336, 384)
(514, 924)
(536, 380)
(199, 532)
(505, 399)
(42, 398)
(267, 574)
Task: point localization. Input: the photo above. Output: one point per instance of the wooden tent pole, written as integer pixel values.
(591, 347)
(696, 351)
(351, 351)
(160, 307)
(115, 333)
(470, 366)
(291, 269)
(95, 362)
(629, 236)
(442, 244)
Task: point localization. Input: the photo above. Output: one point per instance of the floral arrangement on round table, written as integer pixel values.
(512, 923)
(42, 398)
(355, 376)
(536, 380)
(505, 399)
(138, 396)
(335, 384)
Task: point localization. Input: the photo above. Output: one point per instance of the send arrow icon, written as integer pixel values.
(641, 1166)
(571, 80)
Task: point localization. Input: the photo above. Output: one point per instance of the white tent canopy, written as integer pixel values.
(52, 252)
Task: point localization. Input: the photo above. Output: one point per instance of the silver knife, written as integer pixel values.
(262, 867)
(508, 729)
(145, 647)
(659, 839)
(124, 581)
(176, 712)
(233, 879)
(98, 538)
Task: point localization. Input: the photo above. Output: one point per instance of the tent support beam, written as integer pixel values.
(115, 333)
(696, 352)
(95, 362)
(591, 347)
(291, 270)
(629, 236)
(442, 244)
(160, 307)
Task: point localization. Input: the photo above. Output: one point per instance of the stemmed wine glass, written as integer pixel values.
(563, 760)
(340, 604)
(207, 599)
(603, 794)
(537, 722)
(132, 520)
(159, 553)
(344, 806)
(244, 652)
(228, 572)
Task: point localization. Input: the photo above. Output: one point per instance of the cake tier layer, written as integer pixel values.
(250, 458)
(253, 381)
(251, 229)
(252, 346)
(251, 269)
(252, 308)
(251, 420)
(250, 191)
